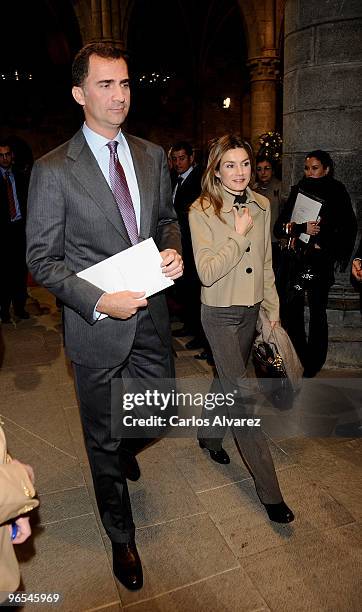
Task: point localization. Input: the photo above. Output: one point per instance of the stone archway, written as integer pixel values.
(261, 21)
(104, 20)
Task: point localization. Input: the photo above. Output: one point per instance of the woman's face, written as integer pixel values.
(313, 168)
(235, 170)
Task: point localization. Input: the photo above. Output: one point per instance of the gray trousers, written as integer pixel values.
(230, 332)
(149, 357)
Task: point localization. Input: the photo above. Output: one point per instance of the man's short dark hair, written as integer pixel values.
(182, 144)
(80, 67)
(5, 142)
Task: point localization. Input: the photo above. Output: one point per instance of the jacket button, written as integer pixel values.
(247, 250)
(249, 270)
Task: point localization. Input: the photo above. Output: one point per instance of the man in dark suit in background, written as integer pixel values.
(90, 198)
(13, 270)
(187, 188)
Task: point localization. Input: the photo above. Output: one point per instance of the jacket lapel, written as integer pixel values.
(143, 164)
(88, 173)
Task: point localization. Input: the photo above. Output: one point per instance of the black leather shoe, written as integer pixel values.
(193, 344)
(22, 314)
(181, 333)
(279, 513)
(349, 430)
(205, 356)
(310, 373)
(201, 356)
(130, 466)
(220, 456)
(127, 565)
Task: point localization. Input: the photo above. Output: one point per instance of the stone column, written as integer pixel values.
(105, 21)
(322, 101)
(263, 76)
(96, 19)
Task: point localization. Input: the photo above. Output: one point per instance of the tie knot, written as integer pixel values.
(112, 146)
(179, 181)
(240, 199)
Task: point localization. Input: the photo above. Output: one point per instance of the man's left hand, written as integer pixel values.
(172, 265)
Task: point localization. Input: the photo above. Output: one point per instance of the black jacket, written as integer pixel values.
(358, 253)
(338, 225)
(186, 195)
(188, 192)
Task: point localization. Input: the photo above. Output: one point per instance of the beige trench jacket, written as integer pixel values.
(16, 493)
(234, 269)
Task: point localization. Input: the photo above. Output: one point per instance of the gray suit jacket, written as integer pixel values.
(73, 222)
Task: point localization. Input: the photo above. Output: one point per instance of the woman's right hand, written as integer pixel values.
(243, 222)
(312, 228)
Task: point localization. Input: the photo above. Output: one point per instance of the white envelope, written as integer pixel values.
(135, 269)
(305, 209)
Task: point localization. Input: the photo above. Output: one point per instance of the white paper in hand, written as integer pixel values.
(135, 269)
(305, 209)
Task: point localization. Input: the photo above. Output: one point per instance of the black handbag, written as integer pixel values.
(272, 376)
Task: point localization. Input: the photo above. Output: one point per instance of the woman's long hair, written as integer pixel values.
(211, 186)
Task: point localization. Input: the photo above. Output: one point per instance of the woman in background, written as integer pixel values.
(230, 229)
(331, 241)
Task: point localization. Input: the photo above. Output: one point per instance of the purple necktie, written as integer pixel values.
(121, 192)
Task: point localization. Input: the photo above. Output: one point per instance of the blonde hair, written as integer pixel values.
(211, 187)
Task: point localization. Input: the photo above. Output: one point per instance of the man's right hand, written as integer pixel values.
(122, 304)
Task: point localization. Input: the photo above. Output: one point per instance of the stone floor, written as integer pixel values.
(205, 540)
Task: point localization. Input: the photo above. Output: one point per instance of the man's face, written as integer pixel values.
(6, 157)
(264, 172)
(181, 161)
(105, 95)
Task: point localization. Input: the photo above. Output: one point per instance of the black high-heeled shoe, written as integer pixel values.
(279, 513)
(220, 456)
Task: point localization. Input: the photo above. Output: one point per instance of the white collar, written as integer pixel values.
(97, 142)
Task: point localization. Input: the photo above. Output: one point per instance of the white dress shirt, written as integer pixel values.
(98, 146)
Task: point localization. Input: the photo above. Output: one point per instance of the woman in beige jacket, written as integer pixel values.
(230, 229)
(16, 499)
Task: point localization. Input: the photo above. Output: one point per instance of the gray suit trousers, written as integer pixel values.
(107, 453)
(230, 332)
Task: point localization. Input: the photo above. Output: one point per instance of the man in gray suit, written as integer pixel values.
(90, 198)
